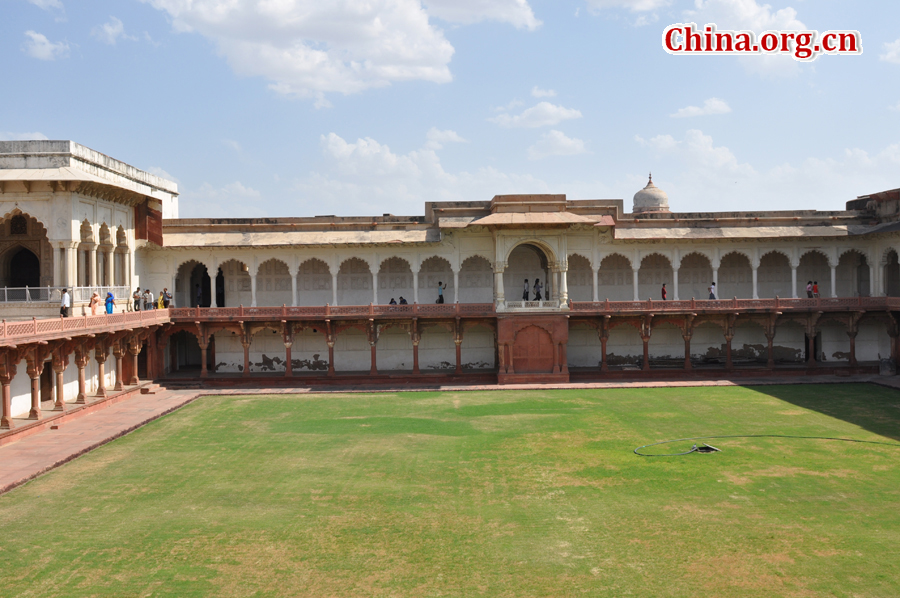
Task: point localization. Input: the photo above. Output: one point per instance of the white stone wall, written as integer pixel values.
(735, 279)
(351, 351)
(476, 281)
(437, 351)
(584, 349)
(666, 342)
(580, 279)
(314, 283)
(477, 350)
(872, 341)
(310, 351)
(355, 283)
(615, 278)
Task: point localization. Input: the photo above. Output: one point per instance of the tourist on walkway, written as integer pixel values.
(110, 303)
(167, 298)
(148, 299)
(161, 302)
(525, 291)
(712, 291)
(441, 287)
(403, 301)
(393, 301)
(815, 288)
(538, 287)
(65, 302)
(809, 289)
(137, 299)
(664, 292)
(95, 304)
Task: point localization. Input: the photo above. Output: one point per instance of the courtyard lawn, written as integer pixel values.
(475, 494)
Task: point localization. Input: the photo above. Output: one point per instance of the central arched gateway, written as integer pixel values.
(528, 261)
(532, 348)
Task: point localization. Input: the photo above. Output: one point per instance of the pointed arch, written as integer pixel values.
(314, 283)
(476, 280)
(27, 256)
(615, 278)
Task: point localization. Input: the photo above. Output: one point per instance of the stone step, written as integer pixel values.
(150, 389)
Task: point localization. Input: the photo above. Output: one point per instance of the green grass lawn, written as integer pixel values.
(474, 494)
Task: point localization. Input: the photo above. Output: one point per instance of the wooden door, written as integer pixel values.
(533, 351)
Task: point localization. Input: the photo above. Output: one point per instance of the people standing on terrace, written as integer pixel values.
(110, 303)
(712, 291)
(664, 294)
(65, 302)
(137, 299)
(815, 288)
(441, 287)
(167, 298)
(525, 291)
(538, 287)
(95, 304)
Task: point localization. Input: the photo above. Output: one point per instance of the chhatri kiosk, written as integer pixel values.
(311, 298)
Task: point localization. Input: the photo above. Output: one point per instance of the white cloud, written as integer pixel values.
(595, 6)
(891, 52)
(537, 92)
(437, 138)
(162, 174)
(895, 108)
(540, 115)
(710, 106)
(707, 177)
(515, 12)
(308, 48)
(48, 4)
(232, 144)
(366, 177)
(555, 143)
(38, 46)
(511, 106)
(111, 31)
(749, 15)
(7, 136)
(234, 200)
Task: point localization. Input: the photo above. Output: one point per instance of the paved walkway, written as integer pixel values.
(25, 459)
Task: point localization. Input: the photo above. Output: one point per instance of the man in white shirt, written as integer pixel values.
(65, 303)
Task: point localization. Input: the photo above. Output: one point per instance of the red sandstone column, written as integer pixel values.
(135, 349)
(204, 358)
(289, 362)
(59, 366)
(119, 354)
(81, 361)
(687, 352)
(415, 344)
(853, 361)
(555, 357)
(646, 366)
(6, 422)
(770, 362)
(34, 372)
(501, 358)
(330, 357)
(458, 342)
(604, 366)
(728, 364)
(511, 361)
(6, 375)
(100, 357)
(811, 362)
(246, 346)
(374, 370)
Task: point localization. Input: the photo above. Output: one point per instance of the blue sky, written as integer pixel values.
(361, 107)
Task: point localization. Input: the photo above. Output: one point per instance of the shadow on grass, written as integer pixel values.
(873, 408)
(376, 425)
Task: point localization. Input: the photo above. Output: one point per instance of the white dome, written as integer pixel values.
(651, 199)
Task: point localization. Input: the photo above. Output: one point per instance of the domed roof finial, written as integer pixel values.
(651, 198)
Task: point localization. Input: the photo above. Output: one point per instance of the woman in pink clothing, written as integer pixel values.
(95, 304)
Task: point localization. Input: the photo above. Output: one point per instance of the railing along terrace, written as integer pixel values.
(740, 305)
(329, 311)
(52, 328)
(54, 294)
